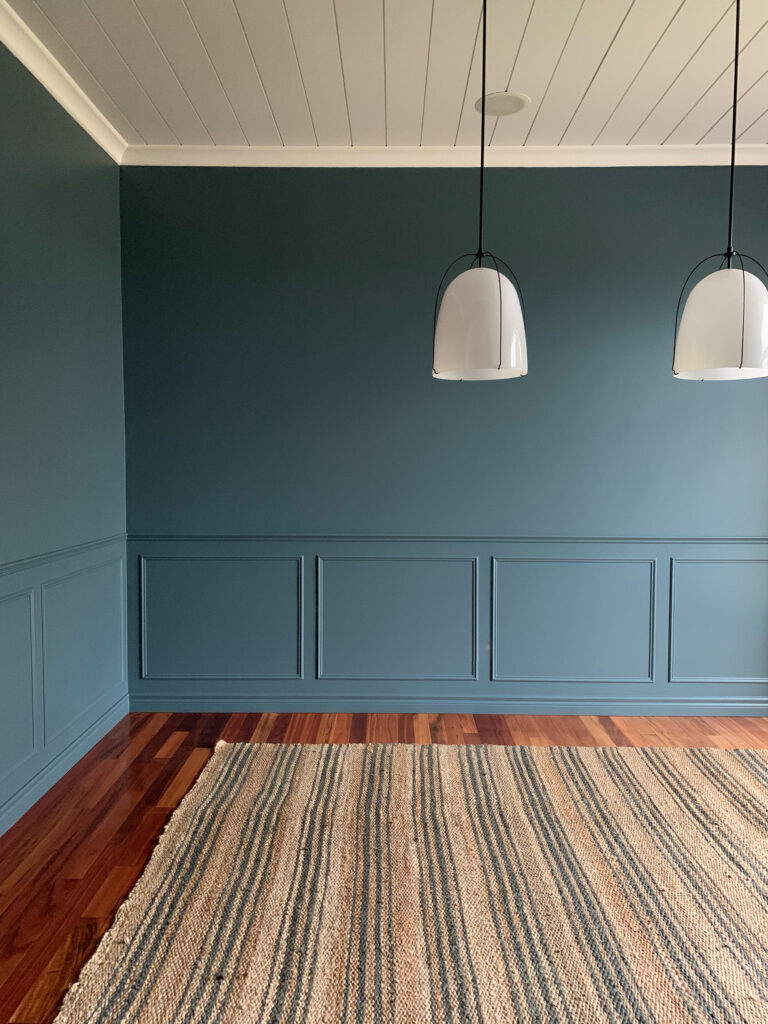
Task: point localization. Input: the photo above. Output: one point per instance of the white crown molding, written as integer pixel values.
(37, 59)
(439, 156)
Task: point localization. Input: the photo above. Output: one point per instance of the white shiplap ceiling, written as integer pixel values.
(346, 82)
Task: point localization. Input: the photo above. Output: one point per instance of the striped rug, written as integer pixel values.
(402, 884)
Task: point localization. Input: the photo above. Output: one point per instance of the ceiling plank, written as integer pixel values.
(171, 25)
(703, 90)
(406, 47)
(80, 28)
(752, 106)
(266, 27)
(546, 37)
(671, 66)
(313, 29)
(221, 33)
(594, 33)
(361, 43)
(755, 133)
(709, 120)
(454, 29)
(645, 25)
(133, 38)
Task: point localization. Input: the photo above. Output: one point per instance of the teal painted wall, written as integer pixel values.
(315, 522)
(278, 352)
(62, 463)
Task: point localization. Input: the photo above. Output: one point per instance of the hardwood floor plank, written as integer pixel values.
(604, 732)
(40, 1002)
(171, 745)
(405, 730)
(208, 729)
(342, 728)
(184, 777)
(42, 933)
(263, 727)
(381, 728)
(109, 896)
(302, 729)
(753, 732)
(358, 728)
(421, 733)
(325, 726)
(279, 727)
(493, 729)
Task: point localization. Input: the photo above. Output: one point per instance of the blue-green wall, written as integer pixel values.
(62, 463)
(278, 352)
(315, 522)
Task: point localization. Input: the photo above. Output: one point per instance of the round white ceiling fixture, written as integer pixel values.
(501, 104)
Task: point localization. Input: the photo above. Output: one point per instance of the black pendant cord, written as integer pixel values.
(478, 256)
(729, 252)
(482, 141)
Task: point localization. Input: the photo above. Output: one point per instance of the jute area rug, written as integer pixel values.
(448, 885)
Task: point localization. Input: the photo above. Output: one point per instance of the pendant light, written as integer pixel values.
(723, 332)
(479, 326)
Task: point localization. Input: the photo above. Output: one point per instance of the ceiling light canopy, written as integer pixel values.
(723, 332)
(502, 104)
(479, 325)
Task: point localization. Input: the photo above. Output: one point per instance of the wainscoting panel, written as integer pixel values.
(495, 624)
(236, 617)
(719, 621)
(17, 680)
(83, 642)
(573, 620)
(394, 618)
(63, 664)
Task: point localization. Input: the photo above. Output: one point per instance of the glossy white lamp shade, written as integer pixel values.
(723, 332)
(480, 333)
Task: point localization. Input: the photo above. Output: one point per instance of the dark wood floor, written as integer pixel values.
(72, 859)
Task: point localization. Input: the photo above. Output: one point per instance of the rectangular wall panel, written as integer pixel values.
(575, 619)
(17, 680)
(382, 618)
(83, 642)
(208, 617)
(719, 621)
(63, 665)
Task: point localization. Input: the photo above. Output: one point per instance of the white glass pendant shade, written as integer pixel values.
(723, 332)
(480, 332)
